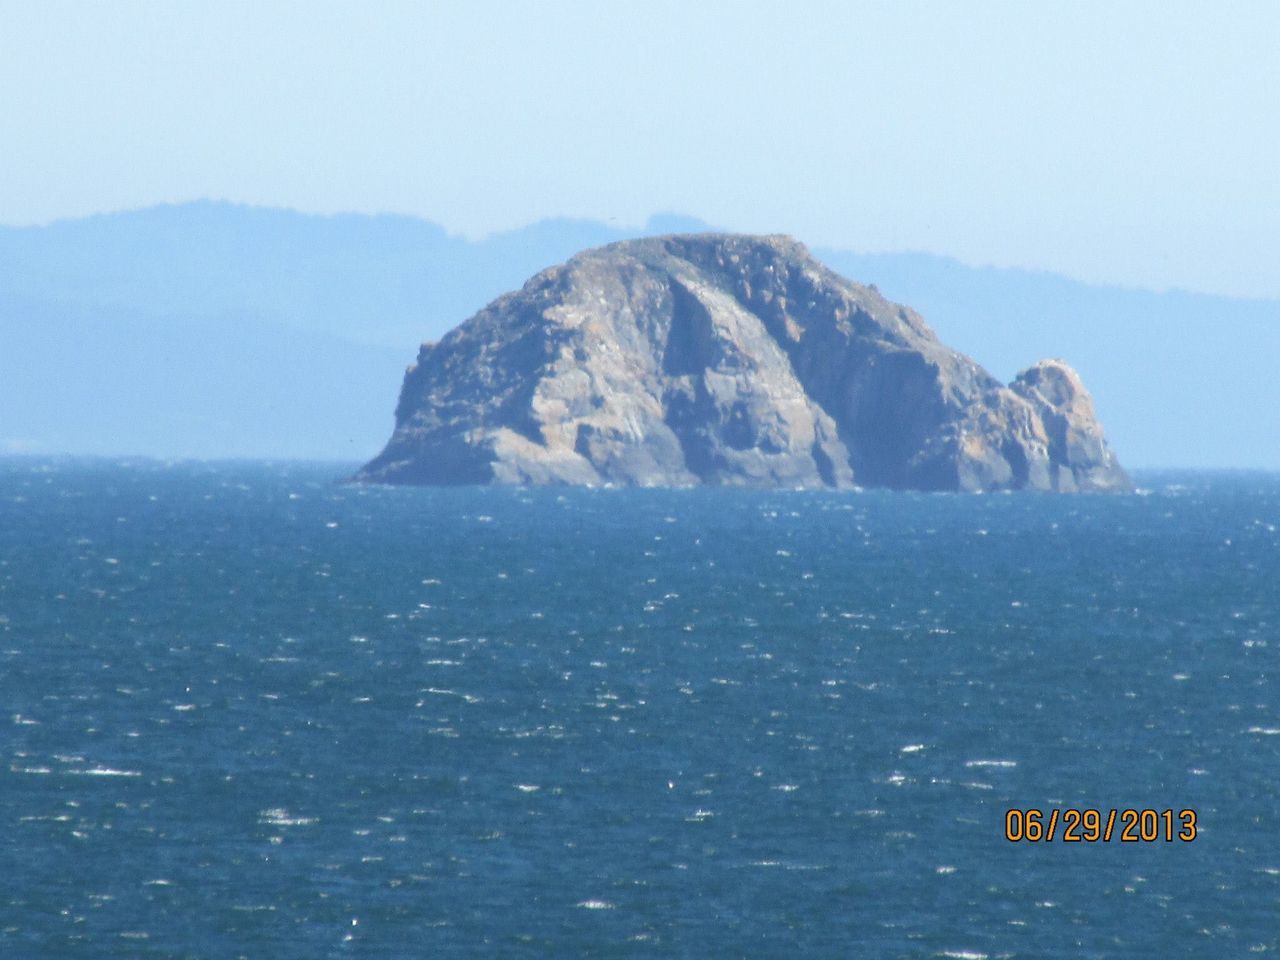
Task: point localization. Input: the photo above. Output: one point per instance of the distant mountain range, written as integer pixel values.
(216, 330)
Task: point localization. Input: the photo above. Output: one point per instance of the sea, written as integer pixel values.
(248, 710)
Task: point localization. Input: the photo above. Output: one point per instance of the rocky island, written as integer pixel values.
(732, 360)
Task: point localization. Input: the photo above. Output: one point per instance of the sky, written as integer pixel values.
(1123, 143)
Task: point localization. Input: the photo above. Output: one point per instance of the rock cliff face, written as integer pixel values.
(725, 359)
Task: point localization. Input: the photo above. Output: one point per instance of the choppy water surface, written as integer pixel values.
(249, 712)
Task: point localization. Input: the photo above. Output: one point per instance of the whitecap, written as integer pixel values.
(280, 817)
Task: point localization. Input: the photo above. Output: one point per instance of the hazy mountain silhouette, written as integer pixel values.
(209, 329)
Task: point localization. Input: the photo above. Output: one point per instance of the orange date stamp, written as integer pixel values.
(1093, 826)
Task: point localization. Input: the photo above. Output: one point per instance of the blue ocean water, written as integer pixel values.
(250, 712)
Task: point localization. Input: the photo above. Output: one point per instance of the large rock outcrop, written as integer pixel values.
(725, 359)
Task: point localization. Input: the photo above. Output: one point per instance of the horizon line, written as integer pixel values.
(164, 459)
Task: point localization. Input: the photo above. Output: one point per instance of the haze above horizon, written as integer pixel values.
(1130, 145)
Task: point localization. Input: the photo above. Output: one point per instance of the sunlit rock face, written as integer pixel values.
(732, 360)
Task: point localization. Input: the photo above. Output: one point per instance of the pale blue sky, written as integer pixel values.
(1132, 143)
